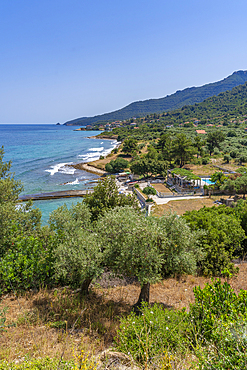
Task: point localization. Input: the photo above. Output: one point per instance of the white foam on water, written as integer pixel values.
(97, 152)
(96, 149)
(63, 168)
(76, 182)
(90, 156)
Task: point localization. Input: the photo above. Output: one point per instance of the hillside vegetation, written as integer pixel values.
(188, 96)
(56, 275)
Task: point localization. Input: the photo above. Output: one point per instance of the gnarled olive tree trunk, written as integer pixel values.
(143, 297)
(85, 288)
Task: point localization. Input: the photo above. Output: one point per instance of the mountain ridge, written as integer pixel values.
(180, 98)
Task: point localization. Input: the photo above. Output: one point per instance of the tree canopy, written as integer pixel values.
(106, 196)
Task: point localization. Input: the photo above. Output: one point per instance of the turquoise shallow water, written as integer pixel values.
(41, 156)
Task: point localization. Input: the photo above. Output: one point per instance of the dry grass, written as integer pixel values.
(183, 205)
(201, 170)
(174, 293)
(52, 323)
(209, 169)
(162, 188)
(100, 163)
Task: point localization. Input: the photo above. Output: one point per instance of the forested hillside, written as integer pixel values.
(228, 108)
(174, 101)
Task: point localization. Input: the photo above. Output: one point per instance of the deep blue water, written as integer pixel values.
(41, 156)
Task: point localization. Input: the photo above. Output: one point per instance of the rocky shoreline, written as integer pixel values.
(88, 168)
(113, 137)
(92, 169)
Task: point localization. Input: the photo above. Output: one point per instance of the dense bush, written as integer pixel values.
(116, 166)
(80, 361)
(28, 264)
(213, 331)
(106, 196)
(219, 323)
(222, 239)
(234, 153)
(227, 158)
(145, 337)
(38, 364)
(205, 160)
(148, 190)
(229, 352)
(216, 303)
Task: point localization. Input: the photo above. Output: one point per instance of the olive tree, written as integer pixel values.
(147, 248)
(106, 196)
(79, 253)
(79, 259)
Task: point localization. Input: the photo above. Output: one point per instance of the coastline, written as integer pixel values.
(86, 167)
(113, 137)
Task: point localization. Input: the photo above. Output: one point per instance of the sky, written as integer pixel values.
(64, 59)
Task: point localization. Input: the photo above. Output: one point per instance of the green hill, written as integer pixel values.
(228, 108)
(177, 100)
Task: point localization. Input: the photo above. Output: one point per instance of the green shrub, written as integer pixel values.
(205, 160)
(216, 303)
(37, 364)
(219, 323)
(116, 166)
(243, 158)
(216, 152)
(197, 161)
(3, 318)
(227, 158)
(229, 352)
(141, 146)
(148, 190)
(222, 239)
(145, 337)
(234, 153)
(80, 361)
(27, 264)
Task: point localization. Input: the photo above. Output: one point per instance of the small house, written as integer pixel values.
(184, 181)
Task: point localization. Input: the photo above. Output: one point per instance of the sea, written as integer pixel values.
(41, 155)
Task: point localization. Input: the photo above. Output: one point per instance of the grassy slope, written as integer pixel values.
(38, 315)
